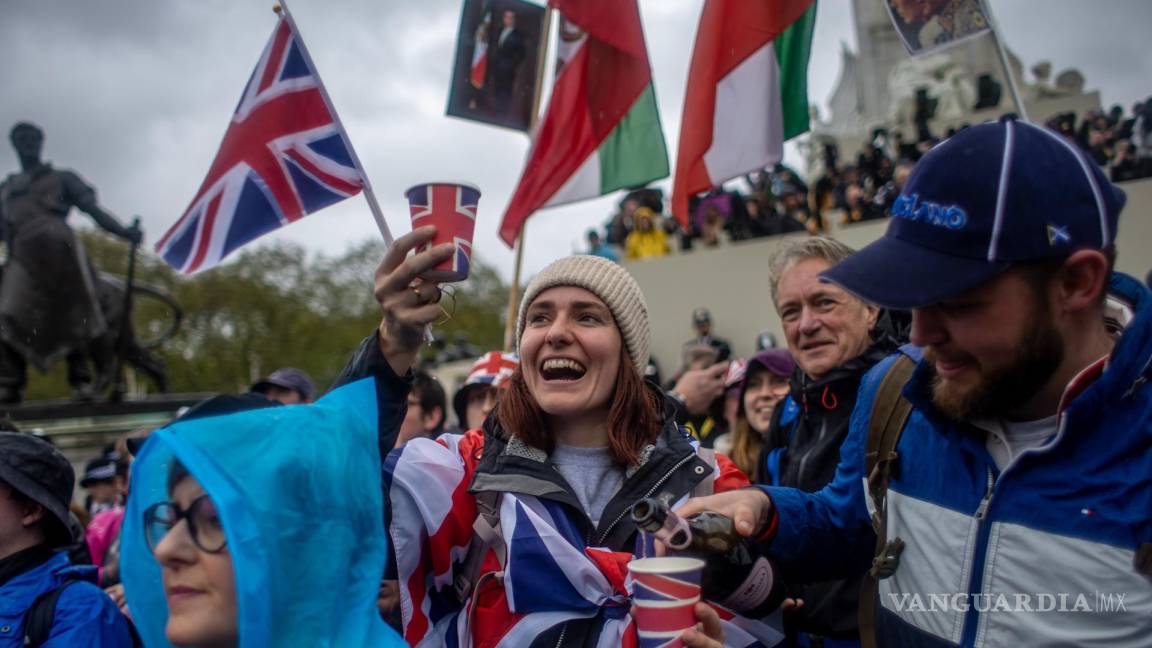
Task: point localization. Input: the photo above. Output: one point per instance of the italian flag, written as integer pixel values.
(747, 92)
(601, 131)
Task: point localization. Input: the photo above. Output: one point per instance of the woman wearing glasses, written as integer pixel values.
(197, 569)
(260, 528)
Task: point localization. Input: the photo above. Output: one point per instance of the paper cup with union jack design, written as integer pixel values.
(664, 594)
(451, 207)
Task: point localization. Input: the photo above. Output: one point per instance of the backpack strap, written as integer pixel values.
(486, 535)
(39, 618)
(707, 485)
(890, 411)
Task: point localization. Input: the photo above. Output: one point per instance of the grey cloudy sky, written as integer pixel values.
(135, 95)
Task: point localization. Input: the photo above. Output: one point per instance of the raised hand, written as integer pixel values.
(409, 303)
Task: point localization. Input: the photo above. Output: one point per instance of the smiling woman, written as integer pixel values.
(579, 383)
(518, 533)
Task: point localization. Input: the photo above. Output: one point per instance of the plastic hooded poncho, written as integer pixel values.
(298, 490)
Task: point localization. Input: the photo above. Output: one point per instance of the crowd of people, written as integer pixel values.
(641, 229)
(955, 427)
(778, 200)
(1115, 141)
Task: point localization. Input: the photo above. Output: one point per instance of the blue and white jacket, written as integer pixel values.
(1042, 554)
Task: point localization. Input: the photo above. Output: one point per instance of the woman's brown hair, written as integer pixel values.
(746, 444)
(633, 418)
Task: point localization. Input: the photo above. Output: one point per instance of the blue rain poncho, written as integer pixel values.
(298, 490)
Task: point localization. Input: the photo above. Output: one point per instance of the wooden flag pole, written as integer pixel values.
(514, 292)
(281, 8)
(514, 289)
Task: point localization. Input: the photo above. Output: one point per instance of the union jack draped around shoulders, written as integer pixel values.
(550, 576)
(284, 156)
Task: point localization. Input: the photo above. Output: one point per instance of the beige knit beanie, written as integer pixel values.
(608, 281)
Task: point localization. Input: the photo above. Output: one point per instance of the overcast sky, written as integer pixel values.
(135, 95)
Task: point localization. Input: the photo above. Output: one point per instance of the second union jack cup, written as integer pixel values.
(664, 594)
(451, 207)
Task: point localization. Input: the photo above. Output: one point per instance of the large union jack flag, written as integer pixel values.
(284, 156)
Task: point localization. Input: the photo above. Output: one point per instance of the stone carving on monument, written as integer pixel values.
(54, 305)
(879, 86)
(1070, 82)
(949, 84)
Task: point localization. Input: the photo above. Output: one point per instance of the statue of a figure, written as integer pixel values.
(49, 298)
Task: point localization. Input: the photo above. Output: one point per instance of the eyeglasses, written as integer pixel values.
(203, 524)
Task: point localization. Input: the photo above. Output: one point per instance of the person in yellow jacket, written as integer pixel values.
(647, 239)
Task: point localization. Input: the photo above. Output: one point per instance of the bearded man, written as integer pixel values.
(1016, 506)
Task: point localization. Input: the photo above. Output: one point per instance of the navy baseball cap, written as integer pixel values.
(991, 196)
(287, 378)
(98, 470)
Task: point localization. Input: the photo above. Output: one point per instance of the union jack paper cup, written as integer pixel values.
(664, 593)
(451, 207)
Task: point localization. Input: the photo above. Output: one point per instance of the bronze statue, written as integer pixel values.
(49, 293)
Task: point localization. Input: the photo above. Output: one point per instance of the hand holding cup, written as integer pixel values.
(410, 302)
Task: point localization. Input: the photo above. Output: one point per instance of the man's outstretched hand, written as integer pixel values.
(749, 508)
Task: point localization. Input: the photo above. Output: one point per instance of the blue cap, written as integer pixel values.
(288, 378)
(992, 195)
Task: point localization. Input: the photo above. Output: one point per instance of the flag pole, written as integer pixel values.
(281, 8)
(514, 289)
(1003, 53)
(514, 292)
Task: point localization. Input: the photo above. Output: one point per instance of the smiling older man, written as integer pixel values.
(829, 334)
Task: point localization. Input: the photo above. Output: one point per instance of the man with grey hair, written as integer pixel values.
(829, 333)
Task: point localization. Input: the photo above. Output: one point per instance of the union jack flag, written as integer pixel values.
(550, 574)
(493, 368)
(452, 209)
(284, 156)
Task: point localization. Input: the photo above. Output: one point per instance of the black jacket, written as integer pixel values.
(670, 466)
(391, 390)
(811, 436)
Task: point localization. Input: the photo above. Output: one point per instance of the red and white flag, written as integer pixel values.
(747, 92)
(480, 53)
(601, 131)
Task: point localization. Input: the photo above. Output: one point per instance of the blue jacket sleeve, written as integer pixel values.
(391, 390)
(828, 534)
(86, 617)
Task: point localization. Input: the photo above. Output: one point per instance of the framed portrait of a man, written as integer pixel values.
(497, 55)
